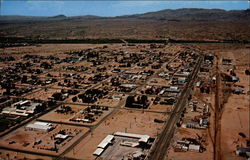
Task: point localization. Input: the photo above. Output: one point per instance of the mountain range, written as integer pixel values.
(187, 24)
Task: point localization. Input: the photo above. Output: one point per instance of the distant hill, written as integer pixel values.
(20, 18)
(167, 14)
(61, 16)
(194, 14)
(184, 24)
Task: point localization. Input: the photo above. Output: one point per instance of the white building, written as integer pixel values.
(40, 126)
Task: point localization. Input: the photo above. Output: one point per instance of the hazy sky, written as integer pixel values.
(106, 8)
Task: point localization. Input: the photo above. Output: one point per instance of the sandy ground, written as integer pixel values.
(11, 155)
(22, 135)
(160, 108)
(235, 116)
(53, 116)
(42, 94)
(46, 49)
(158, 82)
(107, 102)
(62, 117)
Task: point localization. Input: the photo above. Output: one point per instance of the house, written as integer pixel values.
(209, 57)
(193, 147)
(235, 79)
(198, 84)
(226, 61)
(181, 80)
(59, 138)
(115, 97)
(173, 89)
(242, 151)
(238, 91)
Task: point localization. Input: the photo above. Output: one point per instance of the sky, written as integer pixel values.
(107, 8)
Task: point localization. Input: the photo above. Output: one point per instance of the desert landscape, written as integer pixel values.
(165, 85)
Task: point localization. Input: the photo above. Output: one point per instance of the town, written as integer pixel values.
(122, 102)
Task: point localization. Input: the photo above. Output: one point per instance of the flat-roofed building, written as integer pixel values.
(141, 137)
(98, 151)
(40, 126)
(106, 141)
(103, 145)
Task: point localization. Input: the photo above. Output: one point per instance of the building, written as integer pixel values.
(40, 126)
(242, 151)
(22, 108)
(141, 138)
(103, 145)
(115, 97)
(172, 89)
(109, 139)
(59, 138)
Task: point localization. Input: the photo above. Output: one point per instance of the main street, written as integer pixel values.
(159, 151)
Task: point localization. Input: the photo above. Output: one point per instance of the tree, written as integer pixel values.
(4, 124)
(129, 101)
(24, 79)
(144, 99)
(74, 99)
(247, 72)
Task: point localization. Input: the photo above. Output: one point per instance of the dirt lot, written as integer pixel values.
(24, 138)
(160, 108)
(62, 117)
(6, 154)
(107, 102)
(42, 94)
(235, 116)
(158, 82)
(45, 49)
(53, 116)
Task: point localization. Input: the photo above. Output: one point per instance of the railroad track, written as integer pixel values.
(158, 151)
